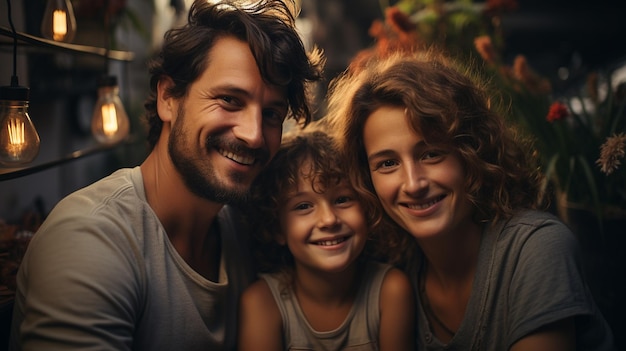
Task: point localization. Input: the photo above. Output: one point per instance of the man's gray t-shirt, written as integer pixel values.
(101, 273)
(529, 275)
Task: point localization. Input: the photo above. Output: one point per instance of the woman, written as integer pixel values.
(423, 138)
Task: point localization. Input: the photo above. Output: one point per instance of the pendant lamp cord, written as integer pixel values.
(107, 44)
(14, 80)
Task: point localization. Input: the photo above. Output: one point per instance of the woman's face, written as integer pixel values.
(420, 186)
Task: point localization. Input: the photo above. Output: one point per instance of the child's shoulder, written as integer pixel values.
(258, 299)
(396, 283)
(257, 293)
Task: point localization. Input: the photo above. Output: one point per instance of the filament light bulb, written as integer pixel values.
(109, 123)
(19, 141)
(59, 23)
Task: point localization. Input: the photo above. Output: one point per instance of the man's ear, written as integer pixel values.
(166, 104)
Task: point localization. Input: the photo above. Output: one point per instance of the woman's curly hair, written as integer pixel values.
(448, 105)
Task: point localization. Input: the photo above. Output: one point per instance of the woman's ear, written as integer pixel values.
(166, 104)
(281, 239)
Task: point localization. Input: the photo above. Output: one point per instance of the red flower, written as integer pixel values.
(557, 111)
(499, 6)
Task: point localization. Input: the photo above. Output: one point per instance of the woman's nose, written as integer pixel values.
(415, 180)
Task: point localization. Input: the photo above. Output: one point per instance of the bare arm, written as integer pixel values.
(557, 336)
(260, 323)
(397, 313)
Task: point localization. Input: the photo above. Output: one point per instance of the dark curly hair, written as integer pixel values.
(447, 104)
(269, 28)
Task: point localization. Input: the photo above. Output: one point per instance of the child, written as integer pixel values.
(317, 289)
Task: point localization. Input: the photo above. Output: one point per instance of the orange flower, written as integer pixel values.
(533, 81)
(485, 48)
(399, 21)
(396, 34)
(557, 112)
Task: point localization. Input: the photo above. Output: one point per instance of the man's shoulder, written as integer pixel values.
(113, 197)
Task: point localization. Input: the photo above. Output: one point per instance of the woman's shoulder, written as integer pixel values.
(532, 222)
(533, 217)
(536, 230)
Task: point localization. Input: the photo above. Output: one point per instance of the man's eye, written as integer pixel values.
(230, 100)
(273, 117)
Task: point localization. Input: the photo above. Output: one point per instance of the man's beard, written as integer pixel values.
(199, 175)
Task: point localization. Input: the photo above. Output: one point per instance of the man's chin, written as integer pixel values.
(232, 195)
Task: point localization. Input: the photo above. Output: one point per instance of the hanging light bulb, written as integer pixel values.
(109, 123)
(19, 141)
(59, 23)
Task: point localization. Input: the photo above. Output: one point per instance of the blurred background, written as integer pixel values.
(544, 52)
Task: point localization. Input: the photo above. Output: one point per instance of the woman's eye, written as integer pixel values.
(386, 164)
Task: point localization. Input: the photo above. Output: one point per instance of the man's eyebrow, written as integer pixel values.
(231, 89)
(236, 90)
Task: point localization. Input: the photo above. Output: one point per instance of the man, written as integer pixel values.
(149, 258)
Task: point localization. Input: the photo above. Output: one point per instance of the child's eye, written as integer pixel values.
(343, 199)
(302, 206)
(433, 155)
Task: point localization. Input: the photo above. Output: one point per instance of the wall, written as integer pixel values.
(63, 92)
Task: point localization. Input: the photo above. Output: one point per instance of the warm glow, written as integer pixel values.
(17, 138)
(109, 119)
(59, 25)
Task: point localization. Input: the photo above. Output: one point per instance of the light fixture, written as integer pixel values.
(109, 123)
(59, 23)
(19, 141)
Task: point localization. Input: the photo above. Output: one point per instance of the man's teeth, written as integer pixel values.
(331, 242)
(246, 160)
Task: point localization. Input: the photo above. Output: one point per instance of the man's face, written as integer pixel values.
(228, 126)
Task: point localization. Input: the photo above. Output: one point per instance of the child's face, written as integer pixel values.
(324, 231)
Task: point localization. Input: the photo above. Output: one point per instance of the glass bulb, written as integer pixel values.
(59, 23)
(109, 123)
(19, 141)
